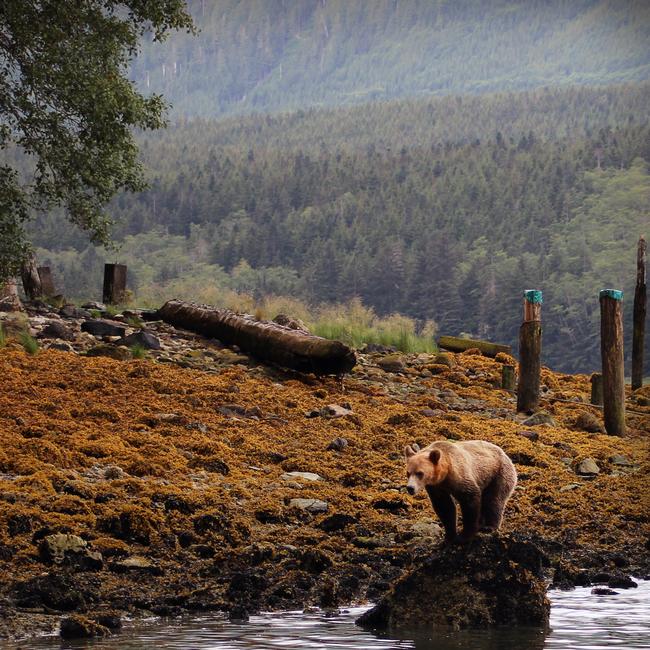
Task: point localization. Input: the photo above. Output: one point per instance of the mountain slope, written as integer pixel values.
(276, 54)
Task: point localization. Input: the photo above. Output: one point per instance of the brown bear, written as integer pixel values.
(476, 474)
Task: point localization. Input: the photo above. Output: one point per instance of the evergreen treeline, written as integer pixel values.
(280, 54)
(480, 201)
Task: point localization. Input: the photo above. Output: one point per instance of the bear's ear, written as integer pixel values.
(434, 456)
(408, 452)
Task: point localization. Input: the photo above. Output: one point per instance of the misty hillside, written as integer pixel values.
(280, 54)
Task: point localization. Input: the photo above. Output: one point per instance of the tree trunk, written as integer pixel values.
(264, 340)
(456, 344)
(31, 279)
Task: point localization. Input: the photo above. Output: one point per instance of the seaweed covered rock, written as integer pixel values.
(496, 580)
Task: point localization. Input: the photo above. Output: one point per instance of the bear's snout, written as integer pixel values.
(410, 489)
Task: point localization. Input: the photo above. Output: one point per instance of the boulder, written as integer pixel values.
(305, 476)
(495, 580)
(142, 338)
(102, 327)
(57, 330)
(334, 411)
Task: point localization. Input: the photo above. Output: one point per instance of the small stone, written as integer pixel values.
(336, 522)
(142, 338)
(622, 461)
(392, 363)
(310, 505)
(305, 476)
(135, 563)
(533, 436)
(113, 472)
(80, 627)
(338, 444)
(541, 417)
(570, 486)
(603, 591)
(587, 467)
(444, 359)
(94, 306)
(622, 582)
(427, 528)
(61, 346)
(238, 614)
(72, 311)
(334, 411)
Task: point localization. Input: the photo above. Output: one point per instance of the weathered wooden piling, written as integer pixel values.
(611, 350)
(596, 389)
(47, 281)
(638, 332)
(114, 284)
(530, 352)
(508, 378)
(31, 279)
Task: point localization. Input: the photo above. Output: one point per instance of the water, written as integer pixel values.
(579, 621)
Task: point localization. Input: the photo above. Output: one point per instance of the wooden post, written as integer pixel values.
(596, 389)
(611, 350)
(508, 378)
(31, 279)
(638, 331)
(530, 352)
(47, 281)
(114, 283)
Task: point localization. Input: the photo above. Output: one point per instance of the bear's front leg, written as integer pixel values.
(470, 507)
(445, 508)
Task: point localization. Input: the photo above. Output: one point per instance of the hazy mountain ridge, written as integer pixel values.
(274, 55)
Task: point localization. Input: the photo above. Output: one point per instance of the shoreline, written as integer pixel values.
(223, 486)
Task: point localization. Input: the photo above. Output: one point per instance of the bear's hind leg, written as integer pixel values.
(493, 503)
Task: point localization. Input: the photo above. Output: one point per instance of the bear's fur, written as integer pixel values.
(476, 474)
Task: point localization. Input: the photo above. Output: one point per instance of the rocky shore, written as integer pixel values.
(197, 479)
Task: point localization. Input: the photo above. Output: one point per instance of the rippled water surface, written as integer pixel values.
(579, 620)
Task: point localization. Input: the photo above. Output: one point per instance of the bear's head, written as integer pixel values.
(423, 468)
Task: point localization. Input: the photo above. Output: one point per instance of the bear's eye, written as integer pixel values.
(419, 475)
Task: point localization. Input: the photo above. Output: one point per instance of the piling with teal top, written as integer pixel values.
(530, 352)
(611, 352)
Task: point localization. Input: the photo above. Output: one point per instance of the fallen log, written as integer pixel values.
(264, 340)
(457, 344)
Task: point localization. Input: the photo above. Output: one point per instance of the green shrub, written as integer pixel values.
(29, 343)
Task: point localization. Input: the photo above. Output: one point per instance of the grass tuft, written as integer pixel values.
(138, 351)
(3, 337)
(29, 343)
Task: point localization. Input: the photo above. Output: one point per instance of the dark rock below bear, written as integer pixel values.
(492, 581)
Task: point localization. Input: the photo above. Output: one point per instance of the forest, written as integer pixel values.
(443, 210)
(280, 54)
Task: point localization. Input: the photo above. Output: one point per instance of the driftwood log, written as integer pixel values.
(264, 340)
(456, 344)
